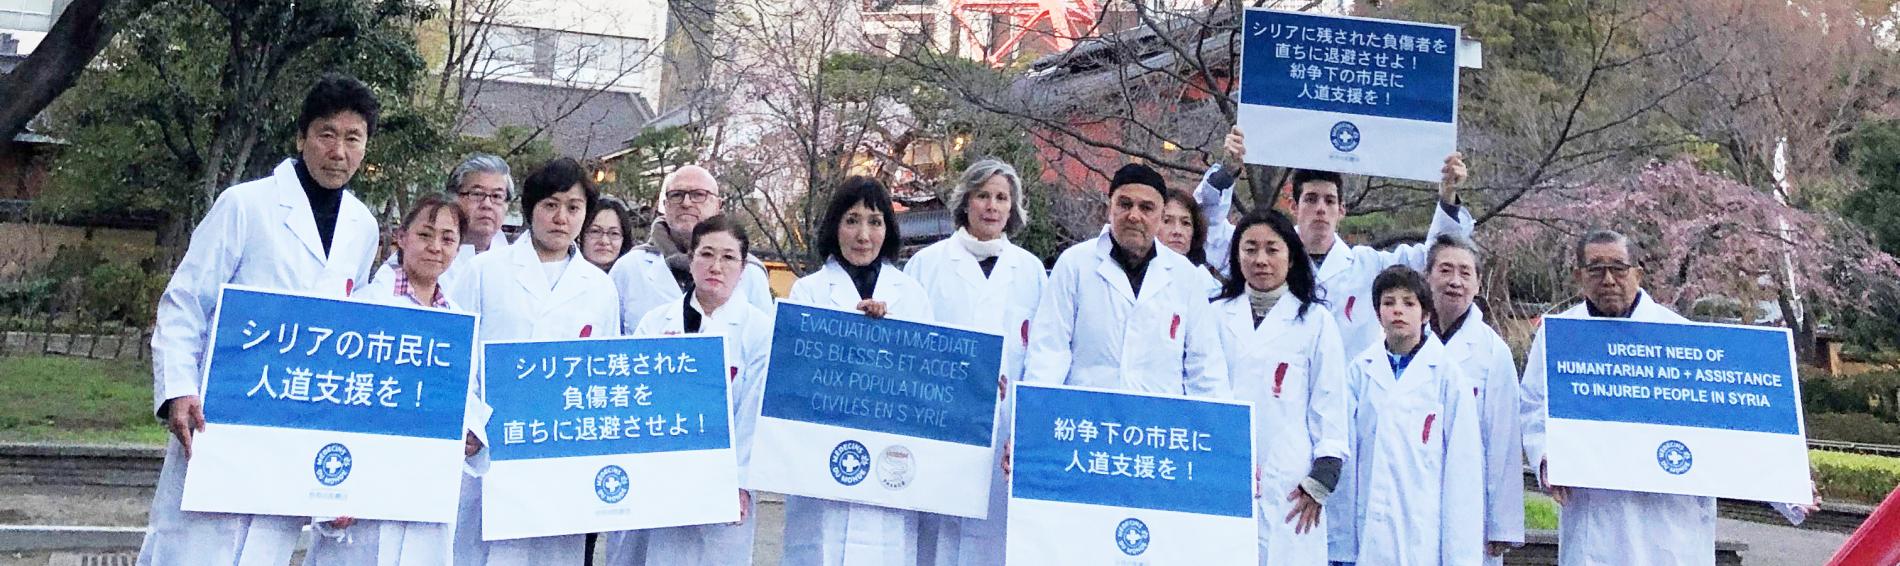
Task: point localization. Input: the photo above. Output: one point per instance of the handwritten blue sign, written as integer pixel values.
(849, 370)
(1350, 65)
(595, 397)
(294, 361)
(1707, 376)
(1133, 451)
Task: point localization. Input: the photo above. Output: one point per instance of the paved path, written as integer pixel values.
(1778, 545)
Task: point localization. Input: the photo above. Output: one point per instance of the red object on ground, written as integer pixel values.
(1877, 542)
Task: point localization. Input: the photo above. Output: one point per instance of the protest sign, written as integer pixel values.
(1684, 408)
(878, 411)
(1353, 95)
(327, 407)
(609, 434)
(1109, 477)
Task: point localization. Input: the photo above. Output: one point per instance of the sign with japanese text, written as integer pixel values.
(1684, 408)
(1110, 477)
(329, 407)
(596, 435)
(1353, 95)
(878, 411)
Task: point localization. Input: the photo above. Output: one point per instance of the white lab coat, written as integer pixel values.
(748, 337)
(509, 289)
(1293, 371)
(1002, 302)
(1413, 492)
(1092, 330)
(645, 283)
(259, 233)
(398, 543)
(464, 257)
(835, 533)
(1602, 527)
(1345, 279)
(1486, 361)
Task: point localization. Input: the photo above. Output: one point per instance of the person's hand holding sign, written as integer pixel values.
(1236, 146)
(185, 416)
(873, 308)
(1455, 174)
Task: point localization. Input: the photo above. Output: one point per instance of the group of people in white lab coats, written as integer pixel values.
(1387, 412)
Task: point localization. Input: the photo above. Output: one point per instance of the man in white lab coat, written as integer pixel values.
(1486, 361)
(1345, 271)
(1121, 311)
(483, 185)
(1603, 527)
(655, 273)
(299, 229)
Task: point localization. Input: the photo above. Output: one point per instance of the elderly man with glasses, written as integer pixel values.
(657, 271)
(484, 186)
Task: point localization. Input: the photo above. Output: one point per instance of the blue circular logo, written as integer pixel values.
(850, 462)
(610, 484)
(1345, 136)
(1674, 457)
(332, 465)
(1132, 537)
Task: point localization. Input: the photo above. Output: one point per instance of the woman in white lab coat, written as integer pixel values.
(427, 243)
(1184, 230)
(859, 239)
(1283, 355)
(1413, 493)
(718, 248)
(977, 278)
(537, 288)
(300, 229)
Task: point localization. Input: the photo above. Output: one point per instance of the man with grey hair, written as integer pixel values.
(1605, 526)
(656, 272)
(483, 185)
(1452, 270)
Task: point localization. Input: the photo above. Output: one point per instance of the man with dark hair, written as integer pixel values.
(1122, 311)
(1345, 271)
(300, 229)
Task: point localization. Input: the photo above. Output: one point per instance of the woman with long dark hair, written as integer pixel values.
(1284, 355)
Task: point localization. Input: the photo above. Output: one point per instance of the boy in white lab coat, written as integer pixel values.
(1412, 492)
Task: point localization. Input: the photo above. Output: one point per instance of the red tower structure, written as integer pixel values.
(1066, 20)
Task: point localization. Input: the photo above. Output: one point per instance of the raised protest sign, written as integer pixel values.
(1353, 95)
(1684, 408)
(326, 407)
(609, 434)
(1108, 477)
(878, 411)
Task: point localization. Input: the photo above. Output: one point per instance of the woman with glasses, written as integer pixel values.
(859, 240)
(605, 238)
(712, 307)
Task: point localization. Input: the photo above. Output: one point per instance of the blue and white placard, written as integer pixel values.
(1684, 408)
(607, 434)
(324, 407)
(1353, 95)
(1112, 477)
(878, 411)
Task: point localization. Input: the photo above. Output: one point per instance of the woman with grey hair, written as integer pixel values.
(977, 278)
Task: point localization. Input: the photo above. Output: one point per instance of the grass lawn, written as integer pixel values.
(62, 399)
(1539, 512)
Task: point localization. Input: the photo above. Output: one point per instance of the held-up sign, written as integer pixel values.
(1111, 477)
(1684, 408)
(878, 411)
(323, 407)
(1353, 95)
(610, 434)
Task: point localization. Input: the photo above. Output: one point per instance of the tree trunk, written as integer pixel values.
(81, 32)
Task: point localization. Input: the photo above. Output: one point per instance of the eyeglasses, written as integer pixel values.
(598, 233)
(695, 197)
(497, 197)
(1608, 270)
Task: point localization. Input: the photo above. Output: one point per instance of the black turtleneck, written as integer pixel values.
(693, 318)
(324, 203)
(1135, 268)
(1592, 308)
(988, 264)
(864, 277)
(1444, 336)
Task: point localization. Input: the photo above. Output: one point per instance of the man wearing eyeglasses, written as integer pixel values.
(1604, 526)
(656, 272)
(483, 185)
